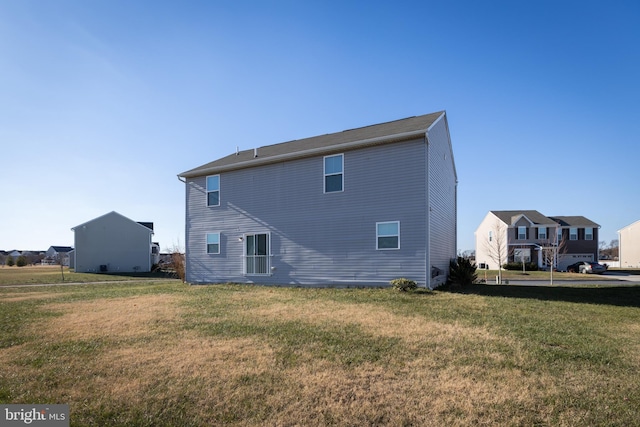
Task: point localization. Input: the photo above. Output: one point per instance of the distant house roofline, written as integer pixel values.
(61, 249)
(150, 229)
(538, 219)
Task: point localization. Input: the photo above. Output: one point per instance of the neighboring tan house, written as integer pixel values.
(531, 235)
(113, 243)
(56, 253)
(354, 208)
(629, 246)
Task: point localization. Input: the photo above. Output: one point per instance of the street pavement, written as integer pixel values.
(609, 278)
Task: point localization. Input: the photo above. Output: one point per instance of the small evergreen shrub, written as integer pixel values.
(528, 266)
(10, 262)
(462, 272)
(21, 261)
(403, 284)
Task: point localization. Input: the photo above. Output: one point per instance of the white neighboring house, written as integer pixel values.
(113, 243)
(629, 249)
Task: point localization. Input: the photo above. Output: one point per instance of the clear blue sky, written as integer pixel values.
(104, 102)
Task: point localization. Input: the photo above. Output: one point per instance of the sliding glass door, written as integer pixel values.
(257, 254)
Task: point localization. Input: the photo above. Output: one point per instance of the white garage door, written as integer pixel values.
(568, 259)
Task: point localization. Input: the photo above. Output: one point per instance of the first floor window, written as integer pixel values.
(388, 235)
(213, 190)
(522, 255)
(213, 243)
(573, 233)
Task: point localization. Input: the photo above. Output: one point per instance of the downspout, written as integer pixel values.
(186, 247)
(150, 263)
(428, 200)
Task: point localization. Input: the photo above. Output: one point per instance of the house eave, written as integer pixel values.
(258, 161)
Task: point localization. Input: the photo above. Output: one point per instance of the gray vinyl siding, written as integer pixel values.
(442, 230)
(115, 241)
(317, 238)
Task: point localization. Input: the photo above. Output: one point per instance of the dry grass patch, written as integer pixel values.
(26, 296)
(165, 368)
(374, 319)
(443, 339)
(123, 317)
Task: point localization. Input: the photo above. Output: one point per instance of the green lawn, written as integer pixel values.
(40, 274)
(162, 353)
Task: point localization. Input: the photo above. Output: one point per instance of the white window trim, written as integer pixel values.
(545, 233)
(325, 174)
(518, 232)
(206, 243)
(391, 235)
(210, 191)
(245, 256)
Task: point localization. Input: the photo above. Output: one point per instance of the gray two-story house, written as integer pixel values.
(354, 208)
(528, 235)
(113, 243)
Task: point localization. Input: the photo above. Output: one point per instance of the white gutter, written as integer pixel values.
(258, 161)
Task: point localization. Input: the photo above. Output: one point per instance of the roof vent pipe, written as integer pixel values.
(255, 152)
(237, 150)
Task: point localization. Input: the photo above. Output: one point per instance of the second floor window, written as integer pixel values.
(542, 233)
(588, 233)
(573, 233)
(522, 233)
(333, 173)
(213, 190)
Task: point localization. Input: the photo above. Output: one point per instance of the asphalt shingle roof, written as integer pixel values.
(397, 130)
(568, 221)
(537, 218)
